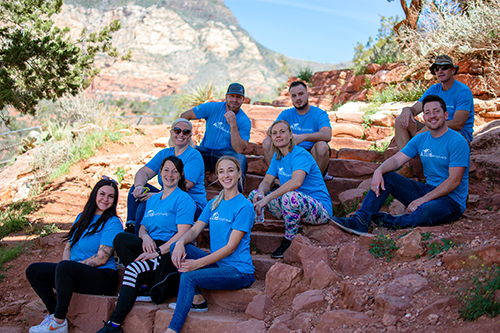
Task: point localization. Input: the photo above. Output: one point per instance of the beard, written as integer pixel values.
(303, 106)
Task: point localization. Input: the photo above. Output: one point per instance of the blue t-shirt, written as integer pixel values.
(162, 216)
(313, 184)
(438, 155)
(88, 245)
(217, 130)
(314, 120)
(458, 97)
(234, 214)
(194, 171)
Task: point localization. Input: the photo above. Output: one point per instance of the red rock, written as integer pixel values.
(352, 198)
(258, 135)
(140, 318)
(284, 320)
(347, 130)
(376, 133)
(252, 182)
(438, 306)
(361, 81)
(373, 68)
(303, 322)
(383, 119)
(389, 320)
(309, 300)
(249, 326)
(323, 276)
(465, 260)
(475, 84)
(351, 168)
(161, 142)
(278, 328)
(396, 208)
(396, 74)
(360, 96)
(281, 278)
(83, 307)
(261, 124)
(292, 254)
(405, 286)
(378, 78)
(360, 155)
(339, 143)
(233, 300)
(12, 309)
(259, 306)
(343, 97)
(325, 235)
(339, 185)
(353, 296)
(490, 254)
(409, 245)
(350, 116)
(196, 322)
(392, 305)
(365, 184)
(338, 318)
(257, 165)
(366, 241)
(354, 260)
(310, 256)
(471, 66)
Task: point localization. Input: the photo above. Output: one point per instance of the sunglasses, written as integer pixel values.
(177, 130)
(109, 178)
(443, 67)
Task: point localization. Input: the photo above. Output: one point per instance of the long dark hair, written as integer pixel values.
(180, 169)
(82, 225)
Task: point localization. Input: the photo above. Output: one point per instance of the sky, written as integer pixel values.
(317, 30)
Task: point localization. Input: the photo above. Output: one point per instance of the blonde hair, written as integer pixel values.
(275, 149)
(218, 199)
(180, 120)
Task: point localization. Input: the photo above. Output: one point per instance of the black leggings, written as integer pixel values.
(128, 247)
(68, 277)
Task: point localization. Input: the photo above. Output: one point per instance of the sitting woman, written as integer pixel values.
(87, 266)
(146, 257)
(181, 145)
(229, 265)
(302, 196)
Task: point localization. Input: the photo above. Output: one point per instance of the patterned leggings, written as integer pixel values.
(293, 207)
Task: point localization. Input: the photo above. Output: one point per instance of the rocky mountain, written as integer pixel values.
(176, 45)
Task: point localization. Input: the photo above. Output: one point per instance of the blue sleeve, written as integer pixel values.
(202, 111)
(112, 227)
(245, 128)
(465, 101)
(283, 116)
(205, 214)
(185, 210)
(193, 167)
(323, 120)
(302, 162)
(411, 149)
(460, 153)
(155, 163)
(272, 170)
(243, 220)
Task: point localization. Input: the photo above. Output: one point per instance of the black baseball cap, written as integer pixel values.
(236, 88)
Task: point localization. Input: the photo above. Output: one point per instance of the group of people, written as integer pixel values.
(159, 256)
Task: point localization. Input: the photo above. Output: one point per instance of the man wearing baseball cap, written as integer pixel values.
(459, 103)
(227, 128)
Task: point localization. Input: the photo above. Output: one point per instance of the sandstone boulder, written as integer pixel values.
(249, 326)
(323, 276)
(281, 278)
(409, 245)
(339, 318)
(309, 300)
(259, 306)
(354, 260)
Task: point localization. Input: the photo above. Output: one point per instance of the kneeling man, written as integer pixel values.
(445, 156)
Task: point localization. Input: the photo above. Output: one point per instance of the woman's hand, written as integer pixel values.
(257, 197)
(148, 244)
(189, 265)
(178, 255)
(261, 204)
(146, 255)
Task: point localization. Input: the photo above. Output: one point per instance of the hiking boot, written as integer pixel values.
(49, 325)
(278, 253)
(202, 307)
(353, 224)
(109, 328)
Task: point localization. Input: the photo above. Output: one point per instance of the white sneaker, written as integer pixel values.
(49, 325)
(143, 299)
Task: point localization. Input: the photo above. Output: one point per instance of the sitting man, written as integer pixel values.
(227, 129)
(310, 126)
(459, 103)
(445, 156)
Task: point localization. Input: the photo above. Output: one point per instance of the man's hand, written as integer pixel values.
(377, 182)
(406, 116)
(298, 138)
(415, 204)
(230, 118)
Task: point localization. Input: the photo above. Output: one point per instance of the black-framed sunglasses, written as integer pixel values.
(109, 178)
(443, 67)
(177, 130)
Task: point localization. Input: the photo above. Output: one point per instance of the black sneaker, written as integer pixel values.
(353, 224)
(108, 328)
(202, 307)
(278, 253)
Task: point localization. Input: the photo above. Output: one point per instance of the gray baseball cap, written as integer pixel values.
(236, 88)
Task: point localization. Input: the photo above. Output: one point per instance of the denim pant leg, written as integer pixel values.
(438, 211)
(132, 205)
(403, 189)
(208, 158)
(216, 278)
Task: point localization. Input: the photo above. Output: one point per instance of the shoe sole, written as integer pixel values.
(143, 299)
(191, 309)
(277, 257)
(349, 230)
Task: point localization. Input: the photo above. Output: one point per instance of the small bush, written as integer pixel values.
(201, 94)
(403, 92)
(13, 218)
(383, 246)
(305, 74)
(479, 299)
(436, 247)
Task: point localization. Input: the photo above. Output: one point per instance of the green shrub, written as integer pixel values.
(478, 300)
(305, 74)
(13, 218)
(403, 92)
(383, 246)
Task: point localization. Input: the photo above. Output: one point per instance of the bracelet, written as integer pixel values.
(159, 251)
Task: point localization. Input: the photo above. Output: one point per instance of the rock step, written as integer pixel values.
(261, 242)
(208, 322)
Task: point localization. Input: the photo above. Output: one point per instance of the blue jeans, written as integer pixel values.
(210, 277)
(441, 210)
(135, 210)
(211, 156)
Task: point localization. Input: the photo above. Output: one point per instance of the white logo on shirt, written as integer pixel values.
(215, 216)
(281, 171)
(220, 125)
(428, 154)
(296, 127)
(151, 213)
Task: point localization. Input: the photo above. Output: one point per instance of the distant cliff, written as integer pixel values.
(176, 44)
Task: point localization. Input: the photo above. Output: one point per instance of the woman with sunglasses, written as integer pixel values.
(302, 196)
(88, 265)
(146, 257)
(229, 217)
(182, 146)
